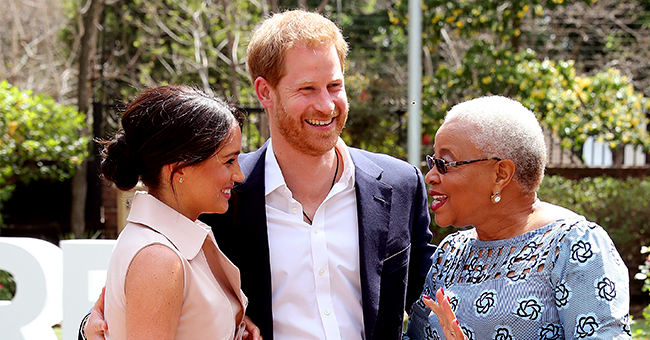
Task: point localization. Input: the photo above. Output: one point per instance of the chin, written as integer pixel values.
(221, 209)
(441, 222)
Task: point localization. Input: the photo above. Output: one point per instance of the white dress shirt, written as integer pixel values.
(315, 276)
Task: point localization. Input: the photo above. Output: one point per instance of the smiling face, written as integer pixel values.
(309, 105)
(207, 185)
(461, 196)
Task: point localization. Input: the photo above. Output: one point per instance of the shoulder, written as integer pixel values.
(378, 158)
(582, 241)
(155, 257)
(391, 168)
(155, 265)
(252, 157)
(579, 228)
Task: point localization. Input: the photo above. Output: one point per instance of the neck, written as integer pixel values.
(308, 177)
(173, 200)
(513, 216)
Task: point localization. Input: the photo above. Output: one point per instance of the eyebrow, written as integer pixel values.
(234, 153)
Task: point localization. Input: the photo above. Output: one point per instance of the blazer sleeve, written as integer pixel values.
(421, 248)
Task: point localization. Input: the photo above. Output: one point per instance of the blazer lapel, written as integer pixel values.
(253, 242)
(373, 209)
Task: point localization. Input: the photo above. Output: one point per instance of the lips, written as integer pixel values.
(226, 192)
(438, 201)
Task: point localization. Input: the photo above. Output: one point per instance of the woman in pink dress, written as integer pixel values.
(167, 278)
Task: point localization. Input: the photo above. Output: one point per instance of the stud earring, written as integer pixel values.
(180, 180)
(495, 198)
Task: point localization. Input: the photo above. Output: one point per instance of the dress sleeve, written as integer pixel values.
(591, 284)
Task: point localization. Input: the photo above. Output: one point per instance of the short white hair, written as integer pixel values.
(504, 128)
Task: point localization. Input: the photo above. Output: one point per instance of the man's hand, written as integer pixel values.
(96, 325)
(252, 332)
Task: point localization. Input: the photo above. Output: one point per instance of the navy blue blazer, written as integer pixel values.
(394, 239)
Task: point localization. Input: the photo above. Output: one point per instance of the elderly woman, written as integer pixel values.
(527, 269)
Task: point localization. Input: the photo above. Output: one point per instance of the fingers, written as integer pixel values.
(430, 303)
(96, 325)
(252, 332)
(456, 331)
(445, 304)
(446, 316)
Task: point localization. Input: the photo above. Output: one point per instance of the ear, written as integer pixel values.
(264, 92)
(167, 171)
(505, 171)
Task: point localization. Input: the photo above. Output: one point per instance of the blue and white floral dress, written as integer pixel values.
(565, 280)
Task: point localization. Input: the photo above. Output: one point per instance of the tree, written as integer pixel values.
(39, 139)
(88, 45)
(147, 43)
(32, 57)
(479, 51)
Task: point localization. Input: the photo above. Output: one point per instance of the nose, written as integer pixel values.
(237, 175)
(432, 176)
(325, 102)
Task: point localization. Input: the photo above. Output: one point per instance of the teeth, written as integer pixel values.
(226, 191)
(438, 198)
(318, 122)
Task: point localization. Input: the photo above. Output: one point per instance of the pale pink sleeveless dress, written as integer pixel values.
(213, 303)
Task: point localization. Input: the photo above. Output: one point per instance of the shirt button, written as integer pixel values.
(294, 210)
(321, 271)
(315, 230)
(327, 312)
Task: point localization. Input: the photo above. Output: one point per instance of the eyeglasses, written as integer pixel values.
(442, 165)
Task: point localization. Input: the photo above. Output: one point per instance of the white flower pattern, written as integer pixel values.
(561, 281)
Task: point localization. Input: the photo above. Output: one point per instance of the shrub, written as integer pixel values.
(39, 139)
(7, 286)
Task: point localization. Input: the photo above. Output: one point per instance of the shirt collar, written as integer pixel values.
(186, 235)
(273, 174)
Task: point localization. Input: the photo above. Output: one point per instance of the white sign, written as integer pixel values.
(52, 284)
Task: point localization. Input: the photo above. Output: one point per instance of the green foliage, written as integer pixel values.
(374, 80)
(603, 105)
(39, 139)
(7, 286)
(644, 270)
(575, 108)
(469, 18)
(606, 106)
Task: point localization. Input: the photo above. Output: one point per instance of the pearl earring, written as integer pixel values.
(495, 198)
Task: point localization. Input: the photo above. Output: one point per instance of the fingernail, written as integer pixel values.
(455, 322)
(426, 297)
(442, 290)
(447, 297)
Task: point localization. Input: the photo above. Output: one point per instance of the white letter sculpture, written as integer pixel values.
(36, 267)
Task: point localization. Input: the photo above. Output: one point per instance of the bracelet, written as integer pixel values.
(84, 321)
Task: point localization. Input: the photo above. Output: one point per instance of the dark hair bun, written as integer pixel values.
(119, 164)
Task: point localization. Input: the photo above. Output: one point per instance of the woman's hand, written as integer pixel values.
(252, 332)
(96, 325)
(446, 316)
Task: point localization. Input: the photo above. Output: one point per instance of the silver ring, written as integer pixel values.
(453, 333)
